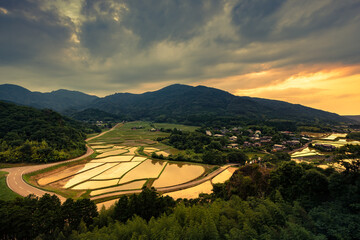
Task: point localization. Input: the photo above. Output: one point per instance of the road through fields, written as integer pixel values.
(15, 180)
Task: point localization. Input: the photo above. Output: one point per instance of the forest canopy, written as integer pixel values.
(32, 135)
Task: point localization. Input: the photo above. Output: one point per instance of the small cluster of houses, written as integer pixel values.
(257, 140)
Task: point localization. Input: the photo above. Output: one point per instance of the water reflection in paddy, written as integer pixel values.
(176, 173)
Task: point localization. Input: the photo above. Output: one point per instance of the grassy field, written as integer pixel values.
(5, 193)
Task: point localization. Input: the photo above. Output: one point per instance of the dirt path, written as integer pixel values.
(172, 188)
(17, 184)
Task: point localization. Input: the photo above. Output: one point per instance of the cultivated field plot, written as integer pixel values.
(224, 175)
(338, 143)
(175, 174)
(334, 136)
(78, 178)
(192, 192)
(121, 158)
(306, 152)
(128, 186)
(95, 184)
(112, 153)
(102, 146)
(147, 169)
(67, 173)
(116, 172)
(138, 159)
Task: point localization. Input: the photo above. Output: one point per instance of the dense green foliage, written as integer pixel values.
(26, 218)
(146, 205)
(31, 135)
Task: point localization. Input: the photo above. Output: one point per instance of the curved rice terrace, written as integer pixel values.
(123, 165)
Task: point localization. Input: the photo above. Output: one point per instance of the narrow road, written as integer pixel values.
(172, 188)
(15, 180)
(16, 183)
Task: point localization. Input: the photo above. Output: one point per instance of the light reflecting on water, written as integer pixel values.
(192, 192)
(175, 174)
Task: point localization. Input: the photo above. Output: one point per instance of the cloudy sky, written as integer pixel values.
(300, 51)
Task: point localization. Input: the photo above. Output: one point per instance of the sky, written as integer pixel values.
(299, 51)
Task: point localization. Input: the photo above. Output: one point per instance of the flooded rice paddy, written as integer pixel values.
(224, 176)
(306, 152)
(117, 171)
(112, 153)
(128, 186)
(193, 192)
(147, 169)
(175, 174)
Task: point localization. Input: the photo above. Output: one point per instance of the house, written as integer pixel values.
(257, 144)
(265, 140)
(208, 133)
(233, 138)
(153, 130)
(233, 145)
(278, 147)
(293, 142)
(247, 144)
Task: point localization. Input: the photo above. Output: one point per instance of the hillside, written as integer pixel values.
(31, 135)
(197, 105)
(353, 117)
(59, 100)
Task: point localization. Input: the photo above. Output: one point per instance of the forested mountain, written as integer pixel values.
(59, 100)
(196, 105)
(175, 103)
(32, 135)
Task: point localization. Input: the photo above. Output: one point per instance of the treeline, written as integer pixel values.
(45, 217)
(31, 135)
(293, 201)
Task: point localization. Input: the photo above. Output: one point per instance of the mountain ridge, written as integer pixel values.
(58, 100)
(174, 103)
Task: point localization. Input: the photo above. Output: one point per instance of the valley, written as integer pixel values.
(125, 169)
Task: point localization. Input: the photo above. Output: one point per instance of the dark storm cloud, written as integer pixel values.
(30, 33)
(263, 20)
(178, 20)
(254, 19)
(152, 21)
